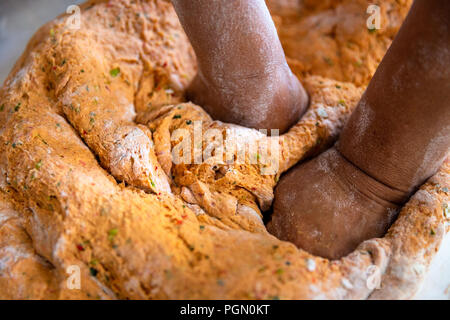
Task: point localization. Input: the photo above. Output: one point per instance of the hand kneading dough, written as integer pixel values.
(87, 179)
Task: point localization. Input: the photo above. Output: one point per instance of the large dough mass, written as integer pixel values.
(87, 178)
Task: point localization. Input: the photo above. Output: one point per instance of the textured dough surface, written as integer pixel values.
(86, 177)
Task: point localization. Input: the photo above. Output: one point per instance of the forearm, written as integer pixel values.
(243, 77)
(400, 132)
(232, 39)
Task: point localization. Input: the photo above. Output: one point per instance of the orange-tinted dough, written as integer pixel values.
(80, 112)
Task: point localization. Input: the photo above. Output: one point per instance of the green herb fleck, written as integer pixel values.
(92, 118)
(114, 72)
(342, 103)
(188, 122)
(93, 262)
(202, 227)
(177, 116)
(17, 107)
(82, 70)
(432, 232)
(279, 271)
(338, 86)
(112, 234)
(372, 30)
(2, 107)
(39, 164)
(77, 109)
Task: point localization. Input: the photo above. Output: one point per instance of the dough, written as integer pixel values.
(87, 180)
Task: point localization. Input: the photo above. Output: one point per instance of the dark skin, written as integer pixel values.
(243, 76)
(396, 139)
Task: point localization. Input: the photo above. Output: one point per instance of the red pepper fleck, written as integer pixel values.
(80, 247)
(164, 64)
(253, 189)
(179, 222)
(54, 67)
(156, 168)
(82, 163)
(184, 216)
